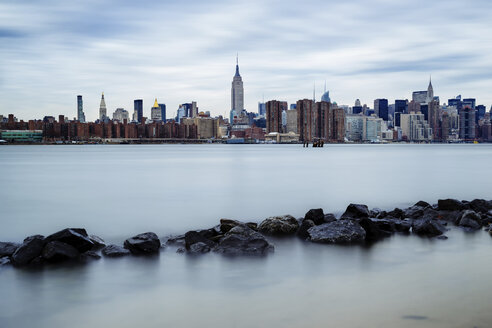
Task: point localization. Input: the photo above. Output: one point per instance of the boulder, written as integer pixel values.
(373, 231)
(193, 237)
(279, 225)
(481, 205)
(305, 226)
(57, 251)
(144, 243)
(470, 219)
(330, 217)
(4, 261)
(422, 204)
(97, 241)
(89, 255)
(450, 205)
(341, 231)
(199, 248)
(356, 211)
(228, 224)
(427, 227)
(30, 249)
(210, 233)
(7, 249)
(75, 237)
(316, 215)
(176, 240)
(449, 216)
(414, 212)
(115, 251)
(242, 240)
(397, 213)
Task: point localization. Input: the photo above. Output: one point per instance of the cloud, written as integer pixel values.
(53, 50)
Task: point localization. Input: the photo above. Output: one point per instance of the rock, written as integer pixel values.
(414, 212)
(279, 225)
(397, 213)
(470, 219)
(422, 204)
(355, 211)
(382, 215)
(373, 232)
(316, 215)
(193, 237)
(427, 227)
(449, 205)
(252, 225)
(144, 243)
(450, 216)
(75, 237)
(330, 217)
(210, 233)
(227, 224)
(176, 240)
(341, 231)
(305, 226)
(97, 241)
(7, 249)
(89, 255)
(441, 237)
(30, 249)
(57, 251)
(481, 205)
(242, 240)
(199, 248)
(181, 250)
(4, 261)
(115, 251)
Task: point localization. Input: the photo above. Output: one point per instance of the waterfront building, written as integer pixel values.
(237, 93)
(434, 114)
(304, 119)
(120, 115)
(337, 116)
(102, 109)
(467, 123)
(415, 128)
(138, 110)
(381, 108)
(163, 112)
(456, 102)
(354, 127)
(80, 110)
(156, 112)
(206, 127)
(274, 110)
(470, 102)
(291, 121)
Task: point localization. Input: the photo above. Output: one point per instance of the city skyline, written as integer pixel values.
(53, 51)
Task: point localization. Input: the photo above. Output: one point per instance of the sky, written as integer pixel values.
(183, 51)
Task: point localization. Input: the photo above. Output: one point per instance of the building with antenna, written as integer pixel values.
(237, 93)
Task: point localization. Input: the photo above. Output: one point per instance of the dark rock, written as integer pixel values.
(193, 237)
(341, 231)
(181, 250)
(316, 215)
(430, 213)
(144, 243)
(422, 204)
(7, 249)
(75, 237)
(356, 211)
(199, 248)
(373, 232)
(397, 213)
(89, 255)
(30, 249)
(470, 219)
(176, 240)
(252, 225)
(375, 212)
(57, 251)
(441, 237)
(97, 241)
(450, 205)
(4, 261)
(279, 225)
(227, 224)
(210, 233)
(427, 227)
(37, 261)
(481, 205)
(414, 212)
(330, 217)
(242, 240)
(382, 215)
(450, 216)
(115, 251)
(305, 226)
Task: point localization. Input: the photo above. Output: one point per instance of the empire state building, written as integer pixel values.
(237, 94)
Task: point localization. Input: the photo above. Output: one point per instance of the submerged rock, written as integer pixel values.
(7, 249)
(470, 219)
(89, 255)
(356, 211)
(373, 230)
(427, 227)
(144, 243)
(279, 225)
(115, 251)
(30, 249)
(316, 215)
(76, 237)
(57, 251)
(341, 231)
(199, 248)
(242, 240)
(193, 237)
(303, 229)
(4, 261)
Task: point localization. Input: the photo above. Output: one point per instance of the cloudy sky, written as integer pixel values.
(179, 51)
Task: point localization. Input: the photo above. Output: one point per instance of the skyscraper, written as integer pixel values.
(381, 108)
(430, 91)
(163, 112)
(80, 110)
(274, 110)
(237, 93)
(102, 109)
(155, 112)
(261, 108)
(138, 109)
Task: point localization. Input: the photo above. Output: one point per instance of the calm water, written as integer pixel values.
(118, 191)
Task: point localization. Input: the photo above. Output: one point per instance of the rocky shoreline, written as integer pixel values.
(357, 225)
